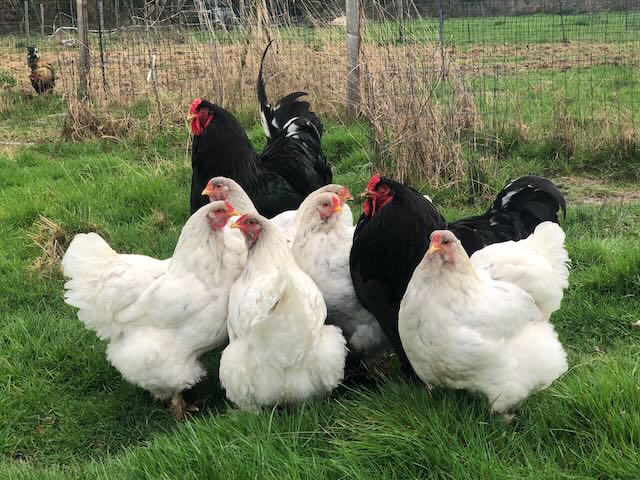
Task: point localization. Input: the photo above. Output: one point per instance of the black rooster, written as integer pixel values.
(290, 167)
(42, 76)
(393, 233)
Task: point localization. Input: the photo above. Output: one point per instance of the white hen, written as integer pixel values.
(158, 321)
(321, 249)
(280, 351)
(223, 188)
(539, 265)
(462, 329)
(288, 222)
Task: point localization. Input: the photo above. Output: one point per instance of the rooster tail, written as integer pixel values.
(84, 261)
(289, 114)
(533, 196)
(263, 102)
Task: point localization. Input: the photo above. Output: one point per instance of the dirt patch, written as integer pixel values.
(593, 191)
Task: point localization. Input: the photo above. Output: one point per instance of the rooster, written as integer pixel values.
(159, 317)
(280, 350)
(392, 236)
(42, 76)
(291, 166)
(463, 329)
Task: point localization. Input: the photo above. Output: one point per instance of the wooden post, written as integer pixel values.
(400, 14)
(83, 37)
(42, 20)
(353, 60)
(117, 9)
(101, 43)
(26, 20)
(443, 70)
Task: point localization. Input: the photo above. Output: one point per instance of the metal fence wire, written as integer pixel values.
(497, 68)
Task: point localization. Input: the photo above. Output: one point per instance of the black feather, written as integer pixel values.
(388, 246)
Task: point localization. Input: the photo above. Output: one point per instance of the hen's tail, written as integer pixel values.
(85, 260)
(517, 210)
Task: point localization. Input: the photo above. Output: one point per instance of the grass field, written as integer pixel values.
(66, 413)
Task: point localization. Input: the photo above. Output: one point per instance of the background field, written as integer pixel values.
(516, 100)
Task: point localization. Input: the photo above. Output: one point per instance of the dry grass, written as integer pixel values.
(53, 241)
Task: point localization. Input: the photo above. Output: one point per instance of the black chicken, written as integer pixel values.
(393, 233)
(290, 167)
(42, 76)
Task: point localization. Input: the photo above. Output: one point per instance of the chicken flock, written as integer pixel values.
(271, 267)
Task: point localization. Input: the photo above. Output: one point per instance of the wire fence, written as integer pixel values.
(488, 71)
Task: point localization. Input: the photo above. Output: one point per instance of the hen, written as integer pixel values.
(158, 318)
(42, 76)
(392, 234)
(280, 350)
(321, 249)
(290, 167)
(462, 329)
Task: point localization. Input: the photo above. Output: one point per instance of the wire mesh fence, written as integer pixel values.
(436, 77)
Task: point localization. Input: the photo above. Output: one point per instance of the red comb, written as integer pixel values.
(194, 105)
(373, 182)
(436, 239)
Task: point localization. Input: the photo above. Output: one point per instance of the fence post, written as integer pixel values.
(26, 20)
(353, 53)
(116, 7)
(400, 15)
(564, 34)
(443, 71)
(101, 43)
(83, 36)
(42, 20)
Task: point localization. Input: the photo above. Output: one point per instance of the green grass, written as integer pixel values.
(66, 413)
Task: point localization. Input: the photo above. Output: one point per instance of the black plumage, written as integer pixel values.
(291, 166)
(392, 237)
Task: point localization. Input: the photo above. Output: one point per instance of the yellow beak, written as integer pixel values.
(234, 213)
(234, 225)
(338, 208)
(207, 191)
(434, 249)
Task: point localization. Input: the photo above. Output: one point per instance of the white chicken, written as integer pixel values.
(158, 320)
(539, 265)
(289, 221)
(223, 188)
(464, 330)
(280, 350)
(321, 249)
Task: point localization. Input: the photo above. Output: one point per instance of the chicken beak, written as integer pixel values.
(337, 208)
(434, 249)
(208, 191)
(235, 225)
(190, 117)
(234, 213)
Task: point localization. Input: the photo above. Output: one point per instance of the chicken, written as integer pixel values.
(280, 350)
(288, 222)
(462, 329)
(158, 319)
(222, 188)
(539, 265)
(321, 249)
(42, 76)
(291, 166)
(391, 238)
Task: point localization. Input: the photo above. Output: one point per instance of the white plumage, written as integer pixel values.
(539, 265)
(321, 249)
(158, 316)
(280, 351)
(462, 329)
(288, 222)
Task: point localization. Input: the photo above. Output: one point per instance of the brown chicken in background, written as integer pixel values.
(42, 77)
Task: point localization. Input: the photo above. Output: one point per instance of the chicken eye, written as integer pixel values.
(218, 185)
(251, 222)
(383, 189)
(446, 242)
(325, 204)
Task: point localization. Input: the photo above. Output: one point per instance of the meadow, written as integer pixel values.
(66, 413)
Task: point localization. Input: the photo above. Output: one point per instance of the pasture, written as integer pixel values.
(66, 413)
(528, 94)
